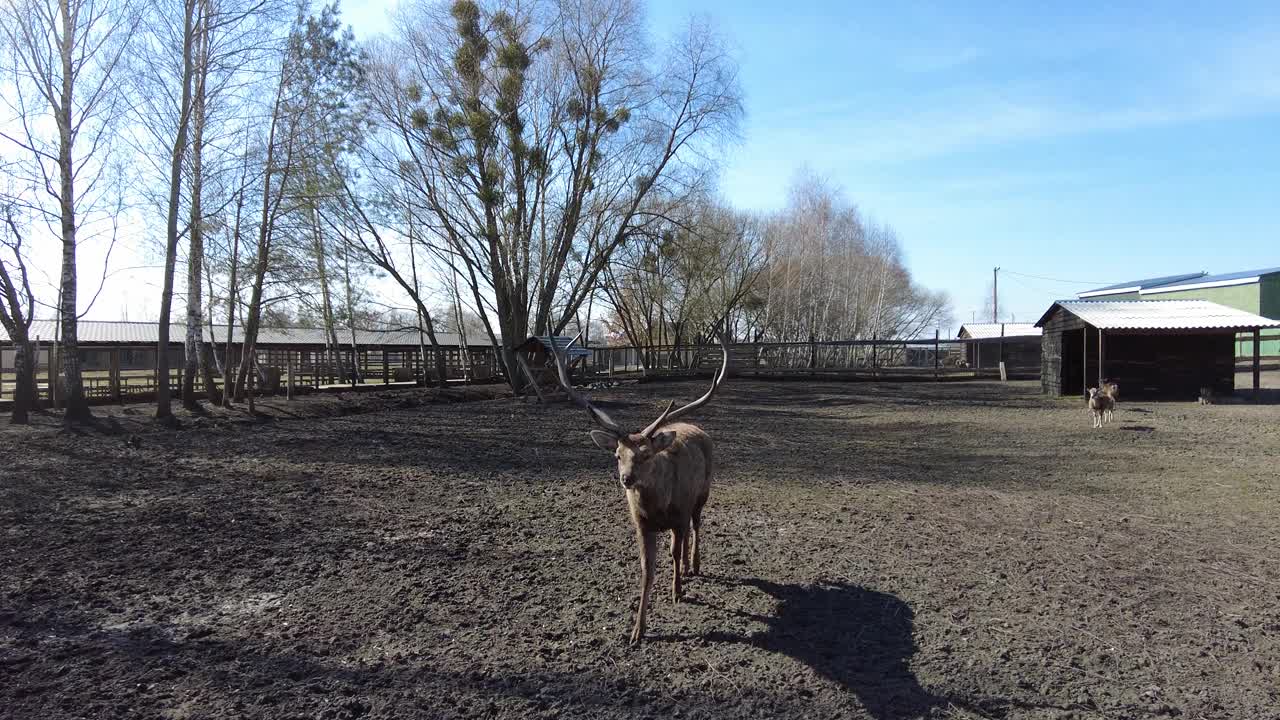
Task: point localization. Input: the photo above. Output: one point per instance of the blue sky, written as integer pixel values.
(1080, 143)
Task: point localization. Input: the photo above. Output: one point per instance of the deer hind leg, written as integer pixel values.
(695, 541)
(679, 536)
(648, 559)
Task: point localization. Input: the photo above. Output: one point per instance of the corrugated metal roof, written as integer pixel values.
(984, 331)
(1244, 277)
(1160, 315)
(1138, 285)
(141, 333)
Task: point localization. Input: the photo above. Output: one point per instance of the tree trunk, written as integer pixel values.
(24, 369)
(253, 315)
(77, 404)
(413, 266)
(233, 295)
(326, 297)
(351, 321)
(178, 153)
(195, 256)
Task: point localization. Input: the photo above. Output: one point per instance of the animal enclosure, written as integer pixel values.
(119, 358)
(872, 550)
(917, 358)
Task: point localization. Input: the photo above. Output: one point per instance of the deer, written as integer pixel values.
(665, 472)
(1111, 390)
(1100, 406)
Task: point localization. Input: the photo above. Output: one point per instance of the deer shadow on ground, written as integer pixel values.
(859, 638)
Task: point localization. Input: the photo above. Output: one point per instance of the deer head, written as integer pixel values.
(635, 451)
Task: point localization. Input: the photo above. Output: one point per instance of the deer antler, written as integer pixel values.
(669, 415)
(562, 373)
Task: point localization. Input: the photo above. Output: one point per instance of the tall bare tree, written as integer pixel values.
(535, 136)
(65, 56)
(317, 61)
(188, 28)
(833, 276)
(666, 288)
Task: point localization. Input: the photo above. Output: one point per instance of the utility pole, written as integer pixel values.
(995, 294)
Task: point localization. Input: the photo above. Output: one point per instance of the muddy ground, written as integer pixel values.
(875, 551)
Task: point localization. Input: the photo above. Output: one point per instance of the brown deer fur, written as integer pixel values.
(1111, 390)
(1100, 406)
(665, 472)
(667, 481)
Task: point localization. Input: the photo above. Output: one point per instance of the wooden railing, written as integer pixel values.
(916, 356)
(309, 369)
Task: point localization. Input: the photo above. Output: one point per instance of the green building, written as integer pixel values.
(1254, 291)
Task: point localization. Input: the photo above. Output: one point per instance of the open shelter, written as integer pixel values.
(1154, 348)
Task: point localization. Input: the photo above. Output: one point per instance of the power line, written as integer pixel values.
(1032, 288)
(1057, 280)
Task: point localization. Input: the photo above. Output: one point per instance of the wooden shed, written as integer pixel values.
(1017, 345)
(535, 355)
(1152, 348)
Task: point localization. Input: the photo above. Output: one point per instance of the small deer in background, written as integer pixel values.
(1111, 390)
(1100, 406)
(665, 471)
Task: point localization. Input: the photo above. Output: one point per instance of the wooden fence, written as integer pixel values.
(930, 357)
(114, 373)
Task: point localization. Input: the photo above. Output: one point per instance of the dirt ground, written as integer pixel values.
(884, 551)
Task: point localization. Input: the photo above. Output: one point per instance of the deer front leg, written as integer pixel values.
(648, 559)
(695, 567)
(686, 565)
(679, 536)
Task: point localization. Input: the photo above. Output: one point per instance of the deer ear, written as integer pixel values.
(604, 440)
(661, 441)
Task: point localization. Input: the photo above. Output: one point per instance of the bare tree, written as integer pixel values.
(666, 288)
(316, 57)
(534, 135)
(65, 57)
(362, 236)
(833, 276)
(188, 27)
(17, 310)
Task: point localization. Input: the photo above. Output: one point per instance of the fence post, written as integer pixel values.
(386, 375)
(875, 357)
(937, 357)
(288, 369)
(1000, 352)
(1257, 364)
(35, 370)
(55, 369)
(113, 374)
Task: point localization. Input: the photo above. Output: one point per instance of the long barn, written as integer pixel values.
(1168, 348)
(119, 358)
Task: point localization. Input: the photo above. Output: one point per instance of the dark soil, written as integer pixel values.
(879, 551)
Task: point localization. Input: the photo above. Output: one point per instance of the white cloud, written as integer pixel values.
(939, 60)
(1108, 92)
